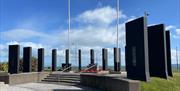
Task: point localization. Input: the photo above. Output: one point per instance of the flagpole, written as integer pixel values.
(117, 31)
(177, 58)
(69, 26)
(117, 44)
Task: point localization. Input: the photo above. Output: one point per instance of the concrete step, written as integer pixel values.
(66, 81)
(63, 78)
(3, 85)
(65, 75)
(62, 83)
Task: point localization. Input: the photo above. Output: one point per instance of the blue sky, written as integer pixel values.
(43, 23)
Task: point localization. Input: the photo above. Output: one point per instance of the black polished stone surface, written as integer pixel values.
(157, 51)
(104, 59)
(40, 59)
(136, 50)
(67, 56)
(117, 59)
(54, 59)
(79, 59)
(92, 57)
(168, 46)
(14, 56)
(27, 57)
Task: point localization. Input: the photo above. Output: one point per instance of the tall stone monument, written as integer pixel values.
(79, 59)
(104, 59)
(136, 49)
(54, 59)
(66, 66)
(117, 59)
(40, 59)
(168, 47)
(92, 65)
(14, 56)
(27, 57)
(157, 51)
(92, 57)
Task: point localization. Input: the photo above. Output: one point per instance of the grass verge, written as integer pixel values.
(159, 84)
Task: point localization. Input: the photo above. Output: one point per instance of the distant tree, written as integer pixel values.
(4, 66)
(33, 64)
(21, 65)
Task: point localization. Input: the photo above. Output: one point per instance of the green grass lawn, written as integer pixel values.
(159, 84)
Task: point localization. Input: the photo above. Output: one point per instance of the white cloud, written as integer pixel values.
(101, 16)
(28, 44)
(21, 34)
(86, 37)
(89, 35)
(97, 36)
(178, 32)
(35, 46)
(131, 18)
(174, 56)
(170, 27)
(3, 50)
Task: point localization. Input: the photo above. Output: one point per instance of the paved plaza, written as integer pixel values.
(44, 87)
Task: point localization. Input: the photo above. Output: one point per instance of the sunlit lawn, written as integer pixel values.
(159, 84)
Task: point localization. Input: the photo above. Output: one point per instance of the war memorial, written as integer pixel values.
(142, 43)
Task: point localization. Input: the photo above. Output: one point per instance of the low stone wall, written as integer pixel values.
(106, 83)
(23, 77)
(4, 77)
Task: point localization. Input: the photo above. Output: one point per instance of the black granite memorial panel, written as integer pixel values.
(79, 58)
(117, 59)
(104, 59)
(14, 56)
(27, 56)
(157, 51)
(66, 66)
(168, 46)
(40, 59)
(67, 56)
(92, 57)
(54, 59)
(136, 50)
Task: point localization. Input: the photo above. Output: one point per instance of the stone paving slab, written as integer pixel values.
(45, 87)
